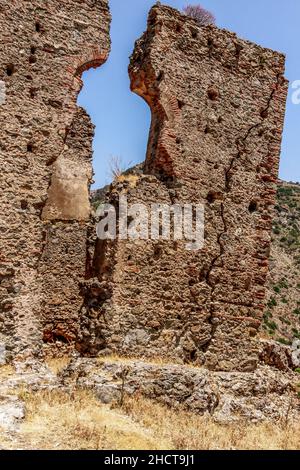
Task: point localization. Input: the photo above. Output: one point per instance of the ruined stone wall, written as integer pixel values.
(217, 106)
(45, 161)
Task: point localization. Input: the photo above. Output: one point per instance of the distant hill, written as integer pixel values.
(282, 314)
(98, 195)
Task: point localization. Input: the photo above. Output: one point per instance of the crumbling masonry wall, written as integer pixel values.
(45, 161)
(217, 106)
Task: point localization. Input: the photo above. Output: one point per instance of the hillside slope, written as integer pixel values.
(282, 314)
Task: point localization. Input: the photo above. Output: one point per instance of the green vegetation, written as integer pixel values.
(285, 320)
(285, 317)
(296, 333)
(284, 341)
(272, 303)
(283, 284)
(288, 206)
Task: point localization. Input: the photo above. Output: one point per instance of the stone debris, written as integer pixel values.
(12, 412)
(266, 394)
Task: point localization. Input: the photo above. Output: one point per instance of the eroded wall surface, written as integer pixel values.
(218, 106)
(45, 161)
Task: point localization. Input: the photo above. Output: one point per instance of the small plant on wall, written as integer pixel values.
(200, 14)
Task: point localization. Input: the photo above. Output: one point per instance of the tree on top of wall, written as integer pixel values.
(202, 16)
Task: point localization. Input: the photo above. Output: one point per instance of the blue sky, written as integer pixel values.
(122, 119)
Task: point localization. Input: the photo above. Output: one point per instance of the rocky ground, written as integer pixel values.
(114, 403)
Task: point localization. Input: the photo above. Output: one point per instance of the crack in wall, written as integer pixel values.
(228, 178)
(150, 312)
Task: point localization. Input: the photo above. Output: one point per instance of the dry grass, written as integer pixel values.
(185, 430)
(158, 361)
(56, 365)
(57, 420)
(130, 179)
(6, 371)
(117, 167)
